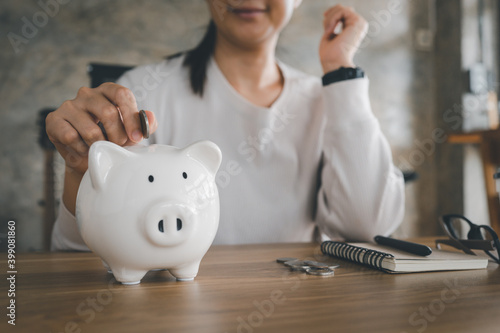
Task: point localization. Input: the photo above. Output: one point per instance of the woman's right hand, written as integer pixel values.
(74, 126)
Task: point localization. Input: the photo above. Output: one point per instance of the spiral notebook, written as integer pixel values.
(395, 261)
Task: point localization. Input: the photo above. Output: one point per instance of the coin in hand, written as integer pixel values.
(144, 124)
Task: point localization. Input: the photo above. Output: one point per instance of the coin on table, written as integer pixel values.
(320, 271)
(317, 264)
(144, 124)
(296, 265)
(294, 262)
(285, 259)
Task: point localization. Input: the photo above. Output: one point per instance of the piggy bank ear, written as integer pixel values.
(103, 155)
(207, 153)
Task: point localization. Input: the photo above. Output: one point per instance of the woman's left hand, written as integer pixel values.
(337, 50)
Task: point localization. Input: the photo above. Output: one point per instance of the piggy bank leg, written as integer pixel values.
(185, 273)
(127, 275)
(105, 264)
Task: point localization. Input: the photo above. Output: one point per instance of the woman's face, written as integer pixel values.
(251, 22)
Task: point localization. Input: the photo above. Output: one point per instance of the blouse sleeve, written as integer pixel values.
(65, 234)
(361, 193)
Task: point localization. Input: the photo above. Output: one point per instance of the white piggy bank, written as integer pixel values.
(150, 207)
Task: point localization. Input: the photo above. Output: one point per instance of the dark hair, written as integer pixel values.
(196, 60)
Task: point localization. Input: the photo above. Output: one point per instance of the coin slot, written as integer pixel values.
(179, 224)
(160, 226)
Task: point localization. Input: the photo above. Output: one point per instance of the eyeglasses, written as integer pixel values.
(479, 237)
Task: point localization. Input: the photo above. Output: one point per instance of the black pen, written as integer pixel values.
(410, 247)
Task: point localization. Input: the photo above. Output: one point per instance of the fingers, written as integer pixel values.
(115, 107)
(63, 133)
(92, 108)
(75, 125)
(153, 123)
(86, 126)
(332, 17)
(338, 46)
(126, 105)
(341, 14)
(68, 142)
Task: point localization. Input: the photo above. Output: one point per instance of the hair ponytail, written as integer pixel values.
(197, 59)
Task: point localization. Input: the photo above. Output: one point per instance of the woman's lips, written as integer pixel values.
(246, 12)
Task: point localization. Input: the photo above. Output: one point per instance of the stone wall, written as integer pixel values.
(47, 66)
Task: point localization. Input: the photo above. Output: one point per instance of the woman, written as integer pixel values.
(302, 157)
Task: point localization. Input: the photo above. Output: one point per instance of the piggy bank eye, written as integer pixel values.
(151, 178)
(184, 175)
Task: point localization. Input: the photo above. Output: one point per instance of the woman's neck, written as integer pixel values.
(252, 72)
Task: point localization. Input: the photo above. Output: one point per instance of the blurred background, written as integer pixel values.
(433, 69)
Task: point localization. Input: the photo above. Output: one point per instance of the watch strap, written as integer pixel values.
(342, 74)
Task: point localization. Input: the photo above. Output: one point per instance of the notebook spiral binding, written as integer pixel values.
(371, 258)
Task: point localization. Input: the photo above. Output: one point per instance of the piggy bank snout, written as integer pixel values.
(169, 223)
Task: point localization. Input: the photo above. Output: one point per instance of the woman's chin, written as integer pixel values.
(252, 36)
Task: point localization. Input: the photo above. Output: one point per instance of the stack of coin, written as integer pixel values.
(283, 260)
(296, 265)
(320, 271)
(316, 264)
(309, 266)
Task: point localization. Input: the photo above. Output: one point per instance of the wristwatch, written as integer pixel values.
(342, 74)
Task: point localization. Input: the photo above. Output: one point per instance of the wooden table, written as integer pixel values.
(489, 145)
(242, 289)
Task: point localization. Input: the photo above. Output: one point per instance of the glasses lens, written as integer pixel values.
(485, 234)
(489, 236)
(459, 227)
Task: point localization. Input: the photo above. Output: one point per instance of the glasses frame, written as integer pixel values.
(474, 241)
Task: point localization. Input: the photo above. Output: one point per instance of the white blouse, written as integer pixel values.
(315, 162)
